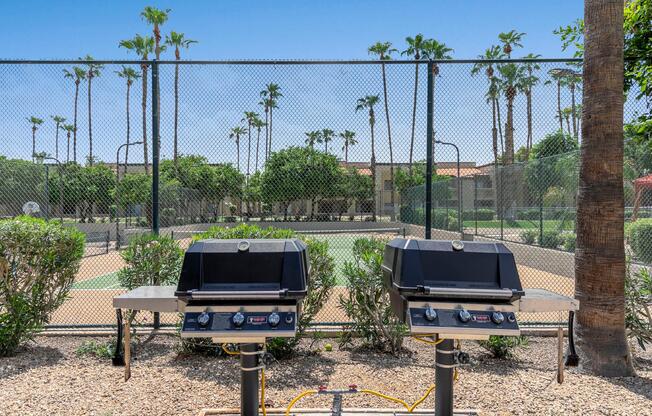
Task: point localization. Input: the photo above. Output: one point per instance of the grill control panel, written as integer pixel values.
(238, 322)
(461, 321)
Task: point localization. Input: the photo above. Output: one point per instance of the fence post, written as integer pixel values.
(108, 241)
(429, 138)
(502, 212)
(540, 216)
(475, 202)
(155, 163)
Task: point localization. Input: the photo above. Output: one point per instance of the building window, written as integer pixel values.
(387, 186)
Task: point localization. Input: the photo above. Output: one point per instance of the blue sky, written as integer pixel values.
(213, 98)
(265, 29)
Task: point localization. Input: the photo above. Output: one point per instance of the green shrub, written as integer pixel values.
(529, 236)
(38, 264)
(550, 239)
(113, 212)
(528, 215)
(322, 276)
(367, 301)
(151, 260)
(569, 241)
(96, 349)
(484, 214)
(638, 297)
(639, 237)
(501, 346)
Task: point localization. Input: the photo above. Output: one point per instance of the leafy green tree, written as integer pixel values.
(354, 187)
(349, 140)
(129, 75)
(415, 47)
(93, 71)
(20, 181)
(368, 103)
(77, 74)
(134, 189)
(547, 167)
(638, 157)
(142, 46)
(58, 122)
(35, 122)
(177, 41)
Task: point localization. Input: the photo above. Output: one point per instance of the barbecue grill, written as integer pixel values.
(452, 290)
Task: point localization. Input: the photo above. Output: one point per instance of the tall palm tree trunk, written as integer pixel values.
(568, 126)
(561, 118)
(346, 153)
(144, 107)
(90, 123)
(573, 115)
(257, 147)
(509, 133)
(373, 173)
(528, 144)
(266, 135)
(414, 115)
(600, 254)
(128, 130)
(33, 143)
(237, 145)
(248, 150)
(176, 117)
(74, 122)
(56, 142)
(494, 130)
(389, 139)
(500, 128)
(270, 130)
(68, 147)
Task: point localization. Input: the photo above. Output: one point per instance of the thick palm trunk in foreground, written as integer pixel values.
(600, 255)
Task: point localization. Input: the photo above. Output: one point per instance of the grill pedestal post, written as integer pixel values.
(249, 401)
(445, 367)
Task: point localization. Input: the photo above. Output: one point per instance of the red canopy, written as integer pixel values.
(643, 182)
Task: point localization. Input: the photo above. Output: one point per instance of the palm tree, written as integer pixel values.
(313, 137)
(367, 103)
(509, 40)
(69, 129)
(77, 75)
(58, 121)
(492, 53)
(270, 95)
(510, 82)
(415, 46)
(600, 255)
(235, 134)
(571, 79)
(326, 136)
(35, 122)
(566, 114)
(558, 75)
(129, 75)
(265, 102)
(435, 50)
(384, 51)
(142, 46)
(349, 140)
(258, 124)
(249, 118)
(93, 71)
(529, 81)
(156, 18)
(177, 41)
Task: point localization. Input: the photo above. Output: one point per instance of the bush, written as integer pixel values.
(38, 264)
(96, 349)
(638, 297)
(151, 260)
(568, 241)
(528, 215)
(529, 236)
(367, 302)
(501, 346)
(639, 237)
(322, 276)
(550, 239)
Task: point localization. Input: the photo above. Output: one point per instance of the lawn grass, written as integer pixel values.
(524, 224)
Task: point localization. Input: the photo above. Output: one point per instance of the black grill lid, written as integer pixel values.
(244, 269)
(445, 269)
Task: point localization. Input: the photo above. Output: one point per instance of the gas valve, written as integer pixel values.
(462, 358)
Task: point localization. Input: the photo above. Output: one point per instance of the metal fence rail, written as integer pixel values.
(336, 149)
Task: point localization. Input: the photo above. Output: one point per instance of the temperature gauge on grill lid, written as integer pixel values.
(273, 319)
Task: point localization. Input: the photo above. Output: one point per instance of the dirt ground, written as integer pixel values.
(48, 378)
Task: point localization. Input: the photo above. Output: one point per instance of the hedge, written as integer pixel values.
(639, 237)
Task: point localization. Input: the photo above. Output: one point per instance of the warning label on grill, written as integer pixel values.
(481, 319)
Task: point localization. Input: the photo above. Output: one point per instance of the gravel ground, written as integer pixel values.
(47, 377)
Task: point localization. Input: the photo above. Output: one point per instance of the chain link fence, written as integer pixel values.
(333, 150)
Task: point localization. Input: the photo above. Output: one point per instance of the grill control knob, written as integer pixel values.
(430, 314)
(289, 318)
(511, 318)
(498, 318)
(273, 319)
(203, 319)
(464, 316)
(238, 319)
